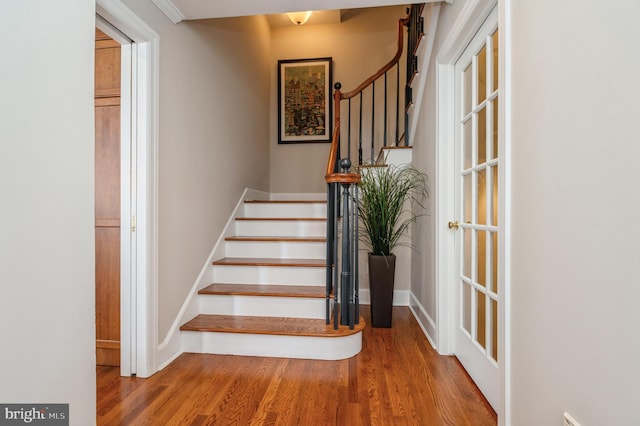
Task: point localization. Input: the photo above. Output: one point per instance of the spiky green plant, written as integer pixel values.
(384, 216)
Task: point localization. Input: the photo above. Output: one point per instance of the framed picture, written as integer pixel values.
(304, 100)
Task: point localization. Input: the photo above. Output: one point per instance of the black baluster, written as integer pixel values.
(349, 130)
(397, 102)
(373, 117)
(345, 163)
(360, 133)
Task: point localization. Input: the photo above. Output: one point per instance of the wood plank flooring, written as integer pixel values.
(397, 379)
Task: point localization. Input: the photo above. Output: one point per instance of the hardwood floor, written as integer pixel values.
(397, 379)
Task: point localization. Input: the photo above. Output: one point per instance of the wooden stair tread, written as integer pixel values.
(397, 147)
(269, 325)
(313, 219)
(285, 201)
(277, 239)
(250, 261)
(265, 290)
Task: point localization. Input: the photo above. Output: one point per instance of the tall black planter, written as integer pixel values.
(382, 271)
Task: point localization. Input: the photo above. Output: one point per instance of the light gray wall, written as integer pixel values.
(575, 237)
(575, 202)
(214, 130)
(360, 45)
(423, 265)
(47, 314)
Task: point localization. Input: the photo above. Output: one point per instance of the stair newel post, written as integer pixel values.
(345, 281)
(337, 97)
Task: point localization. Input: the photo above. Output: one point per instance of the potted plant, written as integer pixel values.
(386, 194)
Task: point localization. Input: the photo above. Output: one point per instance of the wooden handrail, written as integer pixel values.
(333, 153)
(331, 175)
(384, 69)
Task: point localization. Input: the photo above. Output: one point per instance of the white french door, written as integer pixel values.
(477, 201)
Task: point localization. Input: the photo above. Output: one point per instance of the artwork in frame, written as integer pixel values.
(304, 100)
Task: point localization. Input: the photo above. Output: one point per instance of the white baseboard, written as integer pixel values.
(400, 297)
(425, 321)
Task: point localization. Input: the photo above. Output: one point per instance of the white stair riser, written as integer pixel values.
(269, 275)
(398, 156)
(272, 249)
(281, 228)
(318, 210)
(302, 347)
(263, 306)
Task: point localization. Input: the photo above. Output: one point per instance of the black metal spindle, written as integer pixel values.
(335, 256)
(329, 250)
(385, 109)
(356, 250)
(346, 241)
(395, 143)
(349, 131)
(373, 117)
(360, 133)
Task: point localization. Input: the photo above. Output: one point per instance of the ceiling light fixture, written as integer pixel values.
(299, 18)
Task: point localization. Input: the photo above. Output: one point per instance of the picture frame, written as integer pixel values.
(304, 100)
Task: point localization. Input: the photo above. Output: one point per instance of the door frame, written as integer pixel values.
(139, 286)
(468, 22)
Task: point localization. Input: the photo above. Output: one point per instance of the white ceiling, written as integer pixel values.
(178, 10)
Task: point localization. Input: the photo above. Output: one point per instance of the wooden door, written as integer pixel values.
(107, 199)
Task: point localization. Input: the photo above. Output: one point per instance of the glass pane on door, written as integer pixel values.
(478, 172)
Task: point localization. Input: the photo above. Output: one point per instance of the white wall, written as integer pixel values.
(576, 234)
(214, 126)
(47, 314)
(360, 45)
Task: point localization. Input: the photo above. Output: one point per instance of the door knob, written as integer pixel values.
(454, 225)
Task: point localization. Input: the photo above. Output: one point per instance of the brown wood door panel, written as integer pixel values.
(107, 164)
(107, 199)
(107, 283)
(107, 64)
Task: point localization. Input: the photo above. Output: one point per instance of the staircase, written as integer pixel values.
(267, 296)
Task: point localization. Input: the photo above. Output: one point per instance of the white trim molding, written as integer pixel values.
(424, 320)
(504, 314)
(170, 9)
